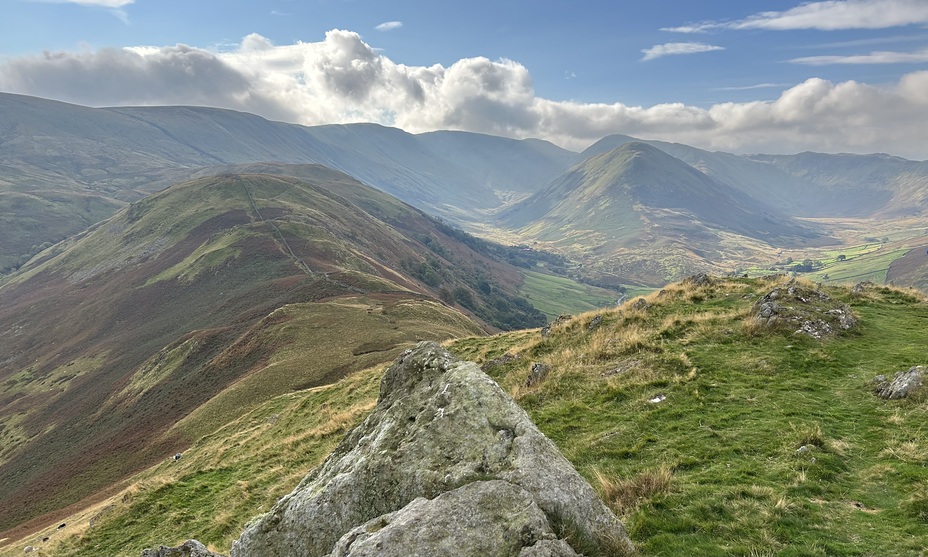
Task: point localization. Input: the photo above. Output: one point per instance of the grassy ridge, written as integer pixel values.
(169, 301)
(717, 466)
(762, 442)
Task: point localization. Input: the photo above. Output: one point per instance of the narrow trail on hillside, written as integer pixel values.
(282, 241)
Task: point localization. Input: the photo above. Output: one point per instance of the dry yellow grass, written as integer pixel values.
(625, 495)
(907, 451)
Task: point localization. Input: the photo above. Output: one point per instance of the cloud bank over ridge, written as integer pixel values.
(343, 79)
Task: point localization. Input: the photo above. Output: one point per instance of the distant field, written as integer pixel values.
(867, 262)
(555, 296)
(870, 266)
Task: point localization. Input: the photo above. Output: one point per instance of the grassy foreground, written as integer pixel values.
(710, 437)
(707, 435)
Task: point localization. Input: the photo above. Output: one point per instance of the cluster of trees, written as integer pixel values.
(473, 290)
(15, 264)
(804, 266)
(523, 255)
(807, 266)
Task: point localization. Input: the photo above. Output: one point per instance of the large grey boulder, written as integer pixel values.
(491, 518)
(443, 447)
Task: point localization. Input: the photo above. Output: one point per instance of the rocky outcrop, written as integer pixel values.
(804, 310)
(537, 374)
(190, 548)
(699, 279)
(447, 464)
(559, 322)
(903, 384)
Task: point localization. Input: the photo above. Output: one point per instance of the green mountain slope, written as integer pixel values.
(707, 433)
(636, 201)
(113, 336)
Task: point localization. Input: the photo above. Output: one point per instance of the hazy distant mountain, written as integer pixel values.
(809, 184)
(111, 337)
(78, 165)
(857, 185)
(638, 199)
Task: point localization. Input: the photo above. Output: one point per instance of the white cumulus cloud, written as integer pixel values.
(672, 49)
(828, 15)
(342, 79)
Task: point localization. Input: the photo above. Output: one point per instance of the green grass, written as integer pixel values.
(738, 407)
(560, 295)
(339, 337)
(716, 468)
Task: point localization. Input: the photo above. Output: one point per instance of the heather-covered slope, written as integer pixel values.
(113, 336)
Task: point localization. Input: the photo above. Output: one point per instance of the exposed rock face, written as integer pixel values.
(190, 548)
(447, 464)
(902, 385)
(806, 311)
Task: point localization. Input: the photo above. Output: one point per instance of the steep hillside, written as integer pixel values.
(861, 185)
(495, 162)
(707, 431)
(637, 201)
(66, 166)
(113, 336)
(911, 269)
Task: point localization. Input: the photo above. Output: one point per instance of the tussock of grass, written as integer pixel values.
(624, 495)
(808, 435)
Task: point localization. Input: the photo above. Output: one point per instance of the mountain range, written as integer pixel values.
(64, 167)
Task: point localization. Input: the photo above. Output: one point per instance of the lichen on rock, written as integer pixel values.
(443, 441)
(190, 548)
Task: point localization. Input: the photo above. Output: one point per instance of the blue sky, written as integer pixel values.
(772, 76)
